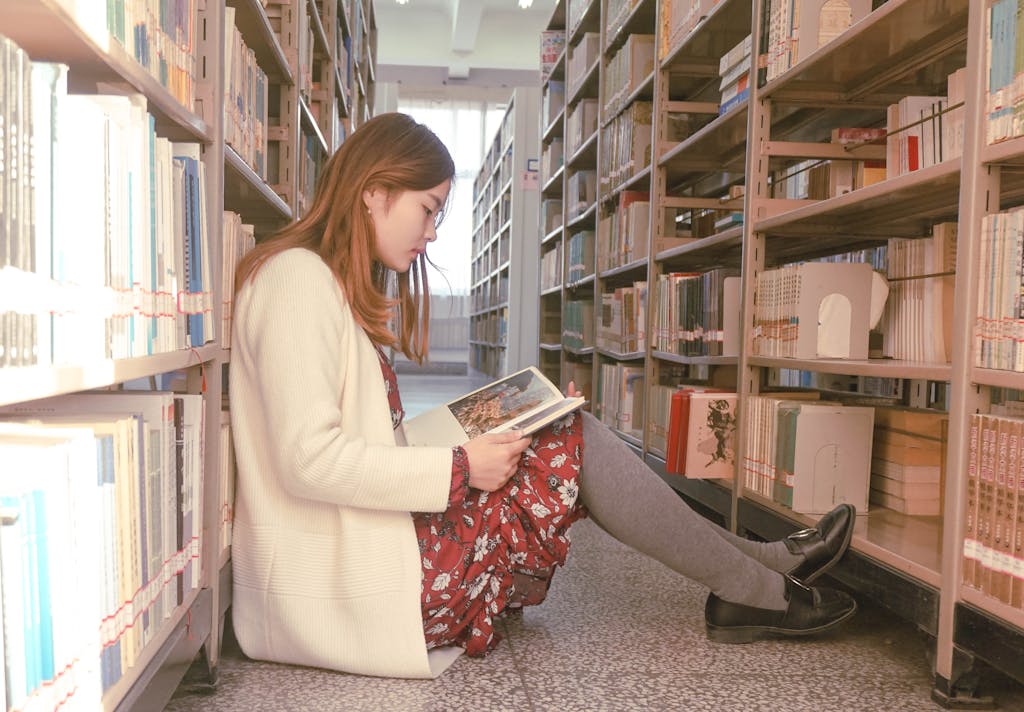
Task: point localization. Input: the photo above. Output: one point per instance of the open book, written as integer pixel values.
(525, 400)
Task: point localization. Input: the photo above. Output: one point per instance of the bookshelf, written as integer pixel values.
(731, 186)
(259, 144)
(504, 280)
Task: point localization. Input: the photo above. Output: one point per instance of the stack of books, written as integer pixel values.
(908, 460)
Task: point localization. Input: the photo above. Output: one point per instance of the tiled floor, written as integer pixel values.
(617, 632)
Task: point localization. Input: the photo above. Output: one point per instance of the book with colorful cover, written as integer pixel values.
(525, 400)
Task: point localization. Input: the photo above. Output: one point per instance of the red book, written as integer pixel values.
(678, 422)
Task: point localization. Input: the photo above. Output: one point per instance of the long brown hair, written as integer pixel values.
(390, 152)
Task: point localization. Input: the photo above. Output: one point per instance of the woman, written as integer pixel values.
(354, 553)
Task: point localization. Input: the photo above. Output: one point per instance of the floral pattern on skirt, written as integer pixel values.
(490, 551)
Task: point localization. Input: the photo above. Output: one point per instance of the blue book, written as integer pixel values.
(43, 597)
(734, 102)
(193, 277)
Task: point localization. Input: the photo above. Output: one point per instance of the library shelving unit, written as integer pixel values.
(552, 214)
(309, 69)
(731, 160)
(504, 281)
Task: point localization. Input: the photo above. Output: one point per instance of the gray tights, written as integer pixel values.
(632, 503)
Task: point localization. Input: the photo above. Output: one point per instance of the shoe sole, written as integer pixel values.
(748, 634)
(834, 560)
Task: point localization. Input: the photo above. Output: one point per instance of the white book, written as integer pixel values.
(525, 400)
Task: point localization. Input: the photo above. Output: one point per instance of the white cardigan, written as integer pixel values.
(326, 565)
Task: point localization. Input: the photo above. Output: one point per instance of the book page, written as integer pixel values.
(525, 400)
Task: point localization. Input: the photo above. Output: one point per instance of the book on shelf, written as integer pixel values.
(992, 539)
(849, 175)
(814, 310)
(620, 401)
(908, 460)
(710, 449)
(760, 413)
(821, 21)
(525, 400)
(917, 323)
(552, 44)
(823, 456)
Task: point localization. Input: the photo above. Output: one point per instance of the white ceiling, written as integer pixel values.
(460, 43)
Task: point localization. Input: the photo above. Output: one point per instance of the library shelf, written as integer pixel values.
(900, 48)
(584, 218)
(587, 86)
(553, 186)
(311, 127)
(629, 439)
(997, 378)
(585, 155)
(558, 69)
(252, 21)
(549, 291)
(720, 145)
(893, 207)
(342, 94)
(35, 382)
(163, 661)
(556, 128)
(695, 360)
(643, 92)
(249, 195)
(637, 17)
(45, 30)
(992, 606)
(585, 351)
(550, 347)
(319, 34)
(581, 282)
(552, 236)
(885, 368)
(902, 43)
(589, 21)
(1004, 153)
(641, 180)
(626, 269)
(724, 25)
(721, 248)
(616, 356)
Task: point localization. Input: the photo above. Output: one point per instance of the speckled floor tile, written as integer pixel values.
(245, 685)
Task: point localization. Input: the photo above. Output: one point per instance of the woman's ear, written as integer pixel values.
(375, 199)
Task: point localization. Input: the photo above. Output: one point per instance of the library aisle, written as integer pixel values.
(618, 631)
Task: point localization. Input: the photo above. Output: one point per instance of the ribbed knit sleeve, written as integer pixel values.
(311, 371)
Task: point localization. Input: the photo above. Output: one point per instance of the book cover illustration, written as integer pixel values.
(711, 450)
(525, 400)
(488, 408)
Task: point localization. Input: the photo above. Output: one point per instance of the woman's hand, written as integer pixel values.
(493, 458)
(571, 391)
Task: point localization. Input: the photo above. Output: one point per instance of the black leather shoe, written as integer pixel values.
(823, 545)
(810, 611)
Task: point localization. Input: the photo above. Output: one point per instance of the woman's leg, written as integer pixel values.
(629, 501)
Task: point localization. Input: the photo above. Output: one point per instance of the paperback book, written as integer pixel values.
(525, 400)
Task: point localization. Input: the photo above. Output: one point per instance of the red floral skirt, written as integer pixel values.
(495, 550)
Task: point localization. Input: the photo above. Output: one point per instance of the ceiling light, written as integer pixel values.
(401, 2)
(525, 3)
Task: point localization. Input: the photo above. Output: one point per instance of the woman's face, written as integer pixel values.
(405, 222)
